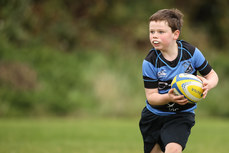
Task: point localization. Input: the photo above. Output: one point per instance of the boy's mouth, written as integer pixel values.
(155, 42)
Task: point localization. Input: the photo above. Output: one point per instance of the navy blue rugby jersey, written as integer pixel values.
(159, 72)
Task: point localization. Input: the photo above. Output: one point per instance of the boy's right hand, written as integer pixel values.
(179, 99)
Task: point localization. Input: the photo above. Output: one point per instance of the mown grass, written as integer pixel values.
(209, 135)
(69, 136)
(99, 136)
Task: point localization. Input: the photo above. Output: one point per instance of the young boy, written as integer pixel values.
(167, 119)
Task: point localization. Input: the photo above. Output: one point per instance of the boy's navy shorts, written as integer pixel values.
(165, 129)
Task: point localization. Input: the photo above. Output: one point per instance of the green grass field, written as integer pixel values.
(99, 136)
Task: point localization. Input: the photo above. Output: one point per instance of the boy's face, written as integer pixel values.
(161, 35)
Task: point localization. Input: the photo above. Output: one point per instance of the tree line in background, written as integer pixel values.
(69, 24)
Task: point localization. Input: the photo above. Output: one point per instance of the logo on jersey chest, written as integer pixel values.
(161, 73)
(187, 66)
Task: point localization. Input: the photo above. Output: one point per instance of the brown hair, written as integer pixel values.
(174, 17)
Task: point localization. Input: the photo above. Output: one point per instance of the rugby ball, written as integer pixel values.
(188, 85)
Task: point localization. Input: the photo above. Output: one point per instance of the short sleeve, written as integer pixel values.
(200, 63)
(149, 75)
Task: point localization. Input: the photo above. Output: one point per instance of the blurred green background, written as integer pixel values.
(71, 80)
(83, 58)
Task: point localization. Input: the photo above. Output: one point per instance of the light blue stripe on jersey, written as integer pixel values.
(148, 70)
(161, 113)
(157, 112)
(198, 57)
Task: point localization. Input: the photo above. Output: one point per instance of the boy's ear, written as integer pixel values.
(176, 34)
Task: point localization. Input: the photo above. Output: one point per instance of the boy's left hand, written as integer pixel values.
(205, 85)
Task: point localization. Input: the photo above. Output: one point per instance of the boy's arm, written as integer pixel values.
(209, 81)
(155, 98)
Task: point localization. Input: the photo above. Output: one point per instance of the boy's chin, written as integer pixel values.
(157, 48)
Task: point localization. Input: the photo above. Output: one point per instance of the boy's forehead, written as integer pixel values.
(161, 23)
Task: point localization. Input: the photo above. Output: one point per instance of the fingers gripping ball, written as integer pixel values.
(188, 85)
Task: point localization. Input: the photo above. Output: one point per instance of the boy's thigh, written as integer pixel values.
(150, 126)
(173, 147)
(156, 149)
(177, 129)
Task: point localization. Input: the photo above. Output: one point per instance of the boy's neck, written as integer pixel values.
(171, 53)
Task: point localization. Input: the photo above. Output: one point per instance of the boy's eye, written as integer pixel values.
(152, 32)
(161, 32)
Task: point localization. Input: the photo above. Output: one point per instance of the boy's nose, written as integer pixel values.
(155, 36)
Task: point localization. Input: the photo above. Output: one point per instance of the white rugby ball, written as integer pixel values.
(188, 85)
